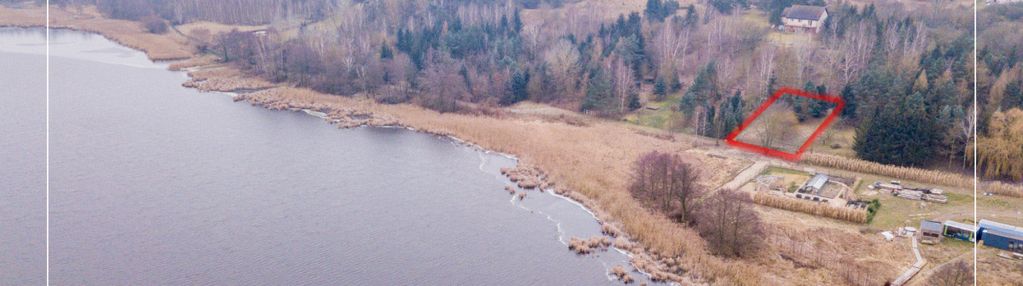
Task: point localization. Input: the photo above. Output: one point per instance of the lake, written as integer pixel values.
(152, 183)
(22, 157)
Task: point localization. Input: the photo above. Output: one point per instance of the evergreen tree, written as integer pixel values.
(850, 102)
(899, 134)
(385, 52)
(598, 93)
(634, 101)
(660, 88)
(730, 114)
(517, 89)
(704, 88)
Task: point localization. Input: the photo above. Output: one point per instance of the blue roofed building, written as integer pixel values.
(1000, 235)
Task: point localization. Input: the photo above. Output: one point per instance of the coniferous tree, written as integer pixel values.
(599, 97)
(660, 88)
(517, 88)
(850, 102)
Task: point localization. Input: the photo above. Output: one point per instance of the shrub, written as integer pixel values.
(667, 183)
(728, 223)
(154, 24)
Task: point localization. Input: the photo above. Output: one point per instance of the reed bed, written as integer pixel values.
(808, 207)
(1002, 188)
(909, 173)
(915, 174)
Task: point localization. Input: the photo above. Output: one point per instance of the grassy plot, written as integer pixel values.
(896, 212)
(664, 117)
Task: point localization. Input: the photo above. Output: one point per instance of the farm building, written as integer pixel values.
(812, 189)
(1001, 236)
(960, 231)
(804, 18)
(931, 231)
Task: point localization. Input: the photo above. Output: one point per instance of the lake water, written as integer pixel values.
(22, 157)
(156, 184)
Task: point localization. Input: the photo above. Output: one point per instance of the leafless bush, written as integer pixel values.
(154, 24)
(667, 183)
(728, 223)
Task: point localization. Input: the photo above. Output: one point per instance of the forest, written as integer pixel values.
(906, 73)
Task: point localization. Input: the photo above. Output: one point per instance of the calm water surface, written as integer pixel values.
(22, 157)
(156, 184)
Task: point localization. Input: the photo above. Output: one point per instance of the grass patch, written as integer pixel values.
(662, 118)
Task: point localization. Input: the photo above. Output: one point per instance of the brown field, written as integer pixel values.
(995, 270)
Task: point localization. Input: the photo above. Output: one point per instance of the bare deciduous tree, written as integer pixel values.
(728, 222)
(667, 183)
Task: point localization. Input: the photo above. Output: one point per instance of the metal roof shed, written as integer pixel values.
(931, 231)
(1000, 235)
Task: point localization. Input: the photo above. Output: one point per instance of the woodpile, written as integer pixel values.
(817, 209)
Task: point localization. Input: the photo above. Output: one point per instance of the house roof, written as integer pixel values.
(931, 226)
(804, 12)
(1015, 236)
(1001, 227)
(959, 225)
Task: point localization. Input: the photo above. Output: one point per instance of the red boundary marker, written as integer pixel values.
(839, 105)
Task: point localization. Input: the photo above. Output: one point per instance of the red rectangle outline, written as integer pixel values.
(839, 105)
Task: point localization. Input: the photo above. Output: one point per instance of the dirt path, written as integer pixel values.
(746, 175)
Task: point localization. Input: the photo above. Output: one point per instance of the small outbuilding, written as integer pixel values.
(1000, 235)
(804, 18)
(931, 231)
(960, 231)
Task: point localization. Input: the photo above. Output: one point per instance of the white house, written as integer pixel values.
(804, 18)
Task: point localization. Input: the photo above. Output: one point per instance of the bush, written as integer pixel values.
(154, 24)
(872, 209)
(667, 183)
(727, 221)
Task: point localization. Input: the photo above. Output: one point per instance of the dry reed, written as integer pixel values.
(817, 209)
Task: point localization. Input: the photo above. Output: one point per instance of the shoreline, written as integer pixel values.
(648, 257)
(574, 198)
(600, 188)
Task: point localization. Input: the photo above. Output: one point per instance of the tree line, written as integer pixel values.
(904, 74)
